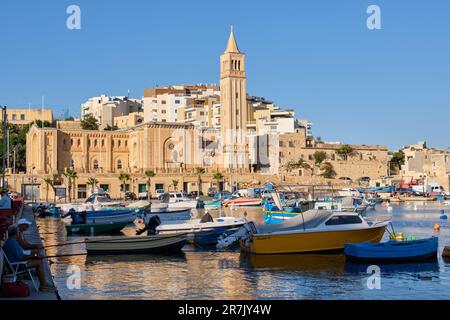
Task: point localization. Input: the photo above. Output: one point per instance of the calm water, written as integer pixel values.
(230, 275)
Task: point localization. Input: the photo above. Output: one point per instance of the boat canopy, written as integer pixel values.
(306, 220)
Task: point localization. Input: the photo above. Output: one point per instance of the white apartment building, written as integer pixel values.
(105, 108)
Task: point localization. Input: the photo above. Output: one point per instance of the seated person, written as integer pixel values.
(150, 227)
(23, 225)
(5, 201)
(15, 253)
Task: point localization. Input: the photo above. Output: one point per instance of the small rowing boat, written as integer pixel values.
(393, 251)
(156, 244)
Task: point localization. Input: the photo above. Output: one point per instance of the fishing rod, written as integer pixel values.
(65, 255)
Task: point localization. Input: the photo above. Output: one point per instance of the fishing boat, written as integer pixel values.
(103, 216)
(311, 231)
(242, 202)
(156, 244)
(393, 251)
(205, 231)
(95, 228)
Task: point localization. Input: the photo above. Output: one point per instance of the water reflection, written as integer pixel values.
(197, 274)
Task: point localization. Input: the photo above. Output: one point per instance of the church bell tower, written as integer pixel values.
(233, 107)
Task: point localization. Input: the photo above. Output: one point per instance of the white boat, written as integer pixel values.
(196, 225)
(178, 200)
(166, 214)
(205, 231)
(95, 201)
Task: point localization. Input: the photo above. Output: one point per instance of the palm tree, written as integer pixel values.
(71, 175)
(149, 174)
(328, 171)
(175, 184)
(124, 177)
(50, 184)
(219, 178)
(93, 183)
(200, 171)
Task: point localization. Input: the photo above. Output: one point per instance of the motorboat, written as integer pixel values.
(310, 231)
(97, 200)
(178, 200)
(166, 214)
(205, 231)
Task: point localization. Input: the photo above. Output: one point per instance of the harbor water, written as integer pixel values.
(231, 275)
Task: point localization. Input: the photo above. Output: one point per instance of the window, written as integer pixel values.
(78, 142)
(119, 164)
(163, 101)
(119, 143)
(95, 142)
(341, 220)
(95, 166)
(163, 111)
(291, 144)
(71, 142)
(14, 117)
(72, 163)
(202, 113)
(142, 187)
(177, 101)
(22, 117)
(105, 187)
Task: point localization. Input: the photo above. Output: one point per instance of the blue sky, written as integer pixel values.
(388, 87)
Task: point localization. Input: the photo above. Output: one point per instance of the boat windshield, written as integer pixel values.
(103, 199)
(307, 220)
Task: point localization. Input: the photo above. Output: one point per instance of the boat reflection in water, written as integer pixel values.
(309, 263)
(393, 269)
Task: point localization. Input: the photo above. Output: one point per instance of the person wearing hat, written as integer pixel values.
(23, 225)
(15, 253)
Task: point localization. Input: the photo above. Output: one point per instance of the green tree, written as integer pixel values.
(199, 171)
(345, 151)
(219, 178)
(71, 175)
(149, 174)
(175, 184)
(319, 157)
(89, 122)
(69, 119)
(328, 171)
(124, 177)
(397, 161)
(93, 183)
(300, 164)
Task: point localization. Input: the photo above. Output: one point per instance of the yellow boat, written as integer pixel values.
(312, 231)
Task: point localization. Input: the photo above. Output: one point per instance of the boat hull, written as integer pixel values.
(96, 228)
(136, 245)
(393, 251)
(304, 242)
(168, 215)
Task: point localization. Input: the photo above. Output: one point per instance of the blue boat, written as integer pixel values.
(393, 251)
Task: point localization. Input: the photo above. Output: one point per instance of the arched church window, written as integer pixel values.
(78, 142)
(239, 65)
(119, 143)
(95, 142)
(119, 164)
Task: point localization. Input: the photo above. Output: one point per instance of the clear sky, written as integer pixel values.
(389, 87)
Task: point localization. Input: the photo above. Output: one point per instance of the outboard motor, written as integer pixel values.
(150, 227)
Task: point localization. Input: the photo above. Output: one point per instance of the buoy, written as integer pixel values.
(437, 227)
